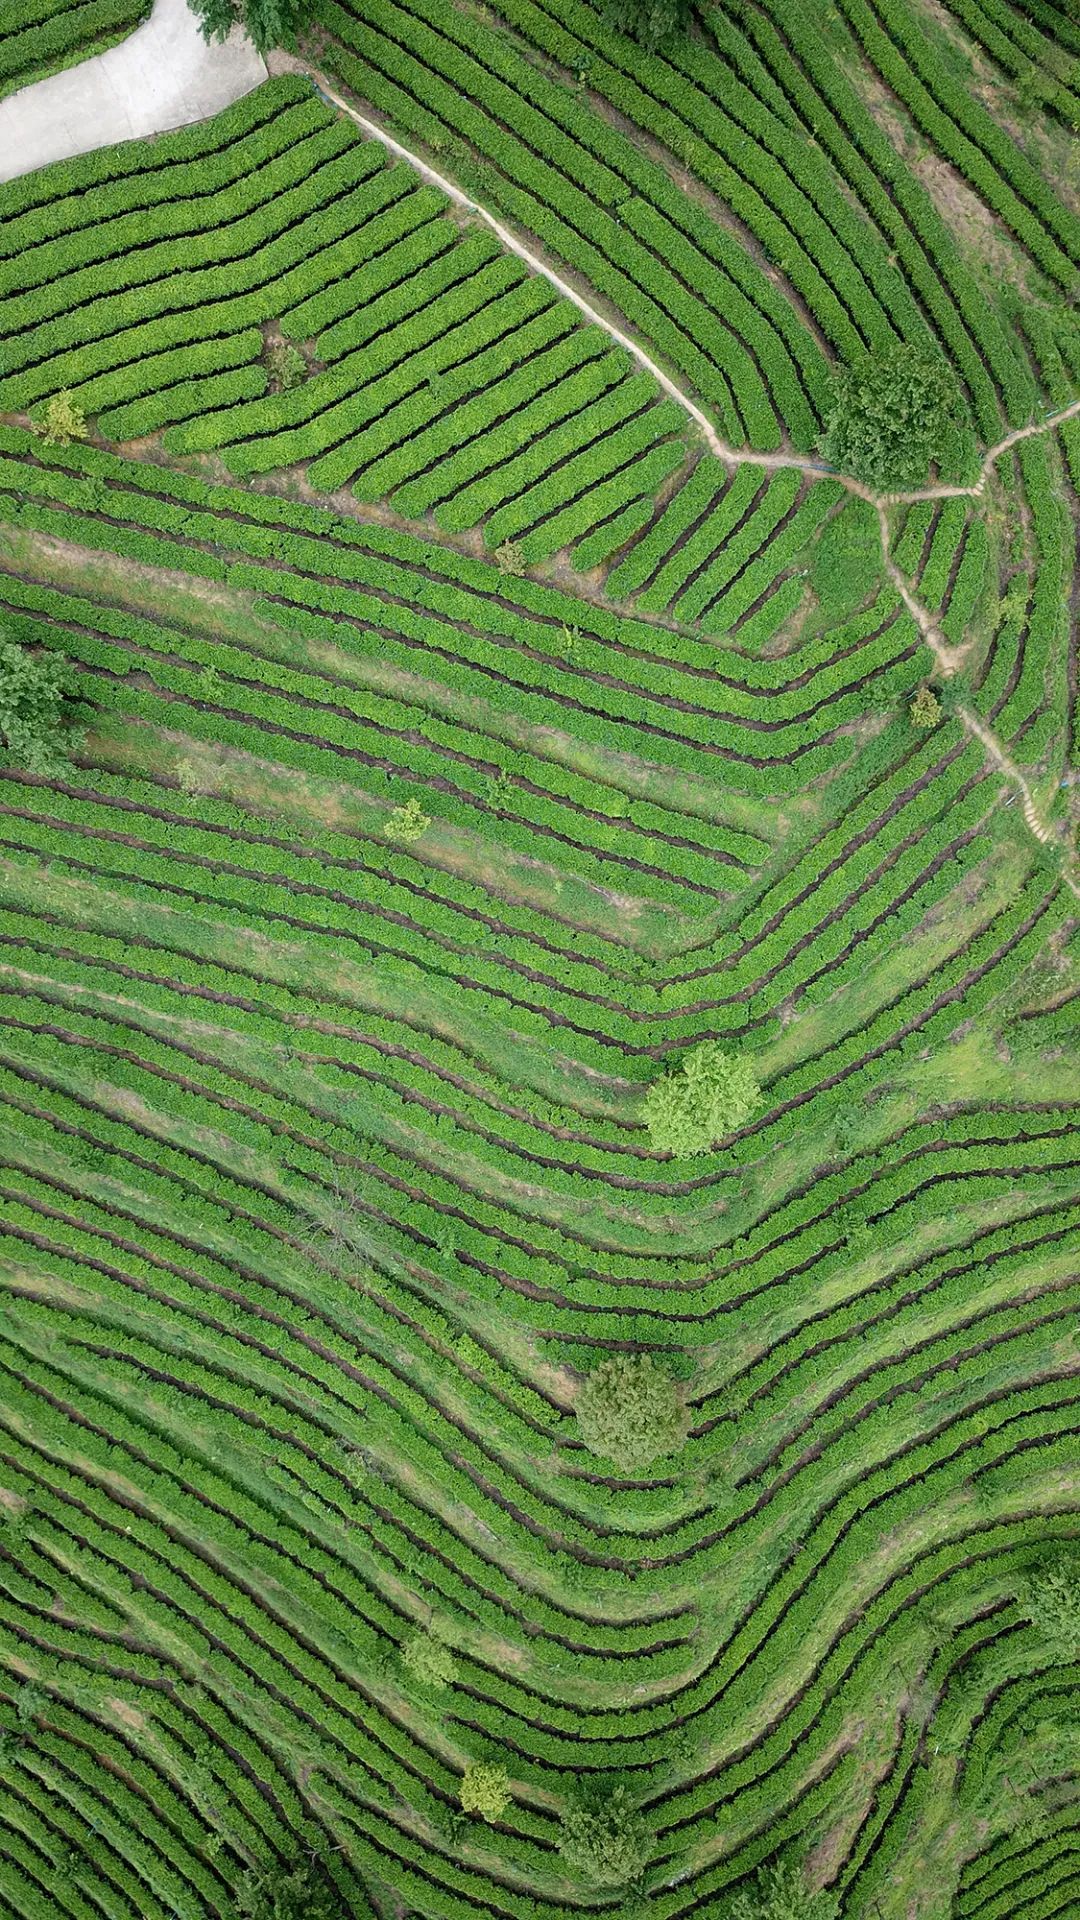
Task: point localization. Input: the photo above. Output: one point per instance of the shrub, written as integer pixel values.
(606, 1842)
(429, 1661)
(925, 709)
(1051, 1600)
(407, 823)
(267, 23)
(628, 1411)
(285, 1893)
(891, 415)
(712, 1094)
(286, 365)
(650, 22)
(508, 558)
(35, 695)
(485, 1790)
(61, 421)
(781, 1893)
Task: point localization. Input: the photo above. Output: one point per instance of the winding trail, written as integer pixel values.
(948, 658)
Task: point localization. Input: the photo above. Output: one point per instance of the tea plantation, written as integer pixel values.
(540, 970)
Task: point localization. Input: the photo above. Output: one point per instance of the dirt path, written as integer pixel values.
(948, 658)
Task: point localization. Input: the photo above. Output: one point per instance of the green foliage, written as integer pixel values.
(891, 415)
(429, 1661)
(485, 1790)
(711, 1095)
(628, 1411)
(297, 1892)
(652, 23)
(60, 421)
(36, 691)
(1051, 1599)
(267, 23)
(286, 365)
(407, 823)
(781, 1893)
(606, 1842)
(925, 709)
(509, 558)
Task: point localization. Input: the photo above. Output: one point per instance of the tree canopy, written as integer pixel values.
(1051, 1600)
(628, 1411)
(781, 1892)
(650, 22)
(37, 691)
(607, 1842)
(485, 1789)
(429, 1661)
(711, 1094)
(267, 23)
(892, 414)
(297, 1892)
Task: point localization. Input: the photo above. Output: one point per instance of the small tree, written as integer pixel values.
(429, 1661)
(267, 23)
(892, 413)
(286, 365)
(485, 1790)
(781, 1893)
(1051, 1600)
(509, 559)
(285, 1893)
(407, 823)
(36, 694)
(628, 1411)
(925, 709)
(607, 1842)
(712, 1094)
(652, 23)
(61, 421)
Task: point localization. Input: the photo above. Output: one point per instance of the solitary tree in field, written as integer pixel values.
(606, 1842)
(60, 421)
(286, 1893)
(892, 413)
(628, 1411)
(36, 697)
(267, 23)
(925, 709)
(712, 1094)
(652, 23)
(780, 1892)
(485, 1790)
(429, 1661)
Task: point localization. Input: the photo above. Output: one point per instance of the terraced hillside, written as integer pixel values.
(488, 695)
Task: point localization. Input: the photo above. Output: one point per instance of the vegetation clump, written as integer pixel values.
(780, 1892)
(61, 421)
(606, 1842)
(296, 1892)
(710, 1095)
(408, 823)
(36, 695)
(925, 709)
(1051, 1600)
(628, 1411)
(892, 414)
(652, 23)
(429, 1660)
(267, 23)
(286, 365)
(485, 1790)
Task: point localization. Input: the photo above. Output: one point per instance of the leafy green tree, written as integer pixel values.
(407, 823)
(61, 421)
(712, 1094)
(781, 1893)
(295, 1892)
(606, 1841)
(925, 709)
(1051, 1600)
(429, 1661)
(652, 23)
(628, 1411)
(485, 1790)
(36, 696)
(286, 365)
(892, 413)
(267, 23)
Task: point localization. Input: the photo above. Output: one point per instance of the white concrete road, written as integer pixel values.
(163, 75)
